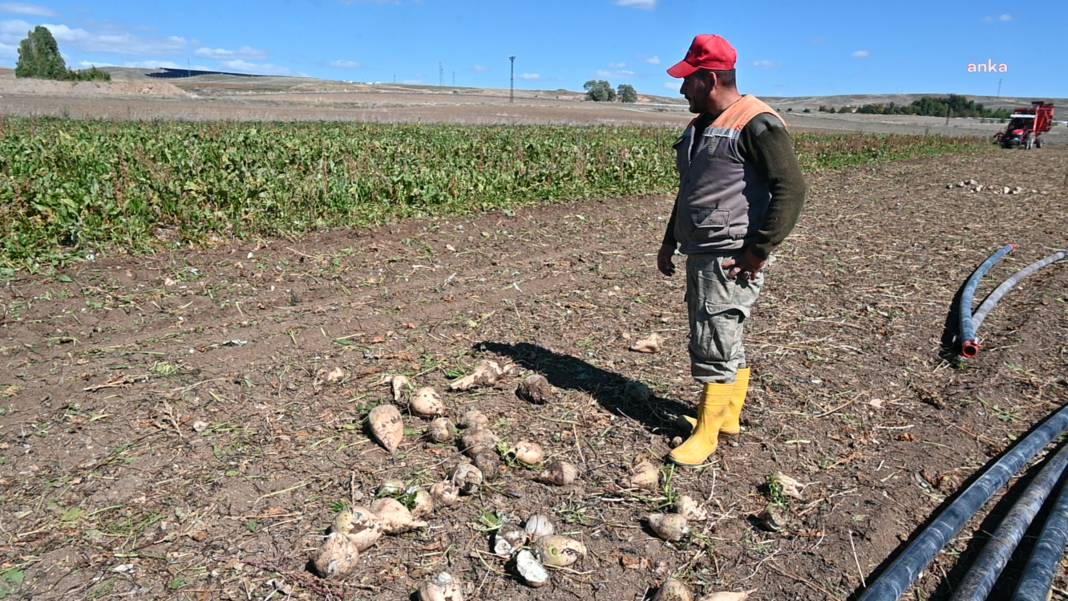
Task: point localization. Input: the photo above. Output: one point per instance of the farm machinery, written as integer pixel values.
(1026, 126)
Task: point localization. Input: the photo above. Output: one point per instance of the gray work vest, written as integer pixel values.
(722, 200)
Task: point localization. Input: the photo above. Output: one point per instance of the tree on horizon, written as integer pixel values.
(599, 90)
(39, 57)
(627, 93)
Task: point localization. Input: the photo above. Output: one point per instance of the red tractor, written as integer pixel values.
(1026, 125)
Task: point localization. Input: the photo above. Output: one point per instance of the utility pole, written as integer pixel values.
(511, 85)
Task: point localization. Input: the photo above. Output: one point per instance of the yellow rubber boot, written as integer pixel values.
(715, 402)
(733, 423)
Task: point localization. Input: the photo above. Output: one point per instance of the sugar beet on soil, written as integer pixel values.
(167, 428)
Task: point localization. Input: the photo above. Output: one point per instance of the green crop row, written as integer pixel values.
(69, 187)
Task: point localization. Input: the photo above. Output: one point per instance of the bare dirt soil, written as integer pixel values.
(168, 429)
(133, 96)
(377, 107)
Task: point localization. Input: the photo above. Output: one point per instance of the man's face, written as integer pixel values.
(696, 88)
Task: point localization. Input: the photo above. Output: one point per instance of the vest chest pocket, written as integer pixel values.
(703, 159)
(705, 151)
(710, 144)
(710, 219)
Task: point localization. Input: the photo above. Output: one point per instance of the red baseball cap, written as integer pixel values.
(709, 52)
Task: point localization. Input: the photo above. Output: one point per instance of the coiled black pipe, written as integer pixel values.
(984, 572)
(904, 570)
(1037, 577)
(969, 346)
(989, 302)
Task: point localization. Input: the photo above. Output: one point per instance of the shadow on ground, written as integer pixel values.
(949, 350)
(657, 415)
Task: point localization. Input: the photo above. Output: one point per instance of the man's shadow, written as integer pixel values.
(658, 415)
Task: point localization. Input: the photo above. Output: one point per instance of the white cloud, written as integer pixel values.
(157, 64)
(765, 64)
(1004, 18)
(77, 42)
(13, 31)
(115, 43)
(653, 60)
(342, 63)
(642, 4)
(144, 64)
(616, 65)
(673, 85)
(861, 54)
(530, 76)
(243, 66)
(219, 54)
(480, 68)
(615, 73)
(17, 8)
(87, 64)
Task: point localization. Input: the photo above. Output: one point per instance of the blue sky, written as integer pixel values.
(784, 48)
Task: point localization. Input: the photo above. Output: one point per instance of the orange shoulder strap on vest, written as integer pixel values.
(739, 113)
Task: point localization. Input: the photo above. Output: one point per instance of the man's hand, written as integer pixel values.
(747, 265)
(663, 260)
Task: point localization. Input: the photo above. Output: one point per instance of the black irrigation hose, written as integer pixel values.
(1037, 577)
(969, 346)
(986, 569)
(980, 579)
(904, 570)
(995, 296)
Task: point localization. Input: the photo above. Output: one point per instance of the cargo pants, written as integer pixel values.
(717, 309)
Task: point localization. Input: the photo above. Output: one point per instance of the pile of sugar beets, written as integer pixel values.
(531, 549)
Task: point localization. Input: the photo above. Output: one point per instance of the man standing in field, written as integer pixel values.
(740, 194)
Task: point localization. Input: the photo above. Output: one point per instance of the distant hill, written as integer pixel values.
(814, 102)
(220, 82)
